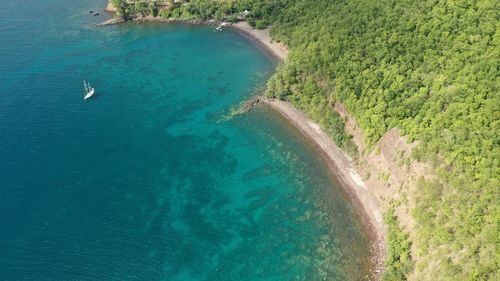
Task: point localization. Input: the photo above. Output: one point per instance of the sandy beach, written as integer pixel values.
(342, 167)
(340, 164)
(262, 38)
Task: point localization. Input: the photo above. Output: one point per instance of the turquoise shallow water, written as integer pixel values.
(152, 179)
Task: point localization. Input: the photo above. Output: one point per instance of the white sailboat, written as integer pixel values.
(89, 91)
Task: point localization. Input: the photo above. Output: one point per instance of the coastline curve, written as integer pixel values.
(339, 163)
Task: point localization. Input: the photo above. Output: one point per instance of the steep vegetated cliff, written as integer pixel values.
(416, 83)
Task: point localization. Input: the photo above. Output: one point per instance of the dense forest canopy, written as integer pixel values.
(430, 68)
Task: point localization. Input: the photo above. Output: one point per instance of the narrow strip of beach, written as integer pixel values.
(262, 38)
(339, 163)
(342, 168)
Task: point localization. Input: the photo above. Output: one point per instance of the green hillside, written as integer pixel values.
(430, 68)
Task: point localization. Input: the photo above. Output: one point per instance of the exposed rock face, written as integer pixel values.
(387, 170)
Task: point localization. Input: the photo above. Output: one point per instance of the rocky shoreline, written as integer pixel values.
(344, 171)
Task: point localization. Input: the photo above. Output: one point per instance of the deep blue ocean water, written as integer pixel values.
(154, 179)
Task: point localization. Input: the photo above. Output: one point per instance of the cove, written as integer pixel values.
(154, 179)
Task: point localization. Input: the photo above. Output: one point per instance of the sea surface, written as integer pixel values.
(154, 178)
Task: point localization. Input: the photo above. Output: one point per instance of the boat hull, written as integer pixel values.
(89, 95)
